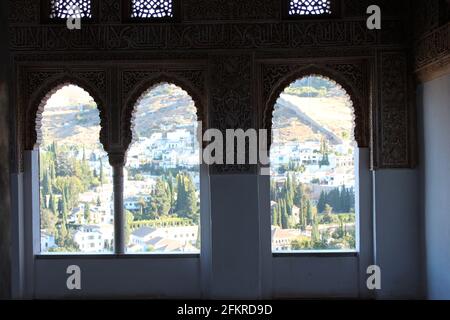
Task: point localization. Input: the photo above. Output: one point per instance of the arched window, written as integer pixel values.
(162, 174)
(313, 168)
(151, 9)
(309, 7)
(76, 194)
(63, 9)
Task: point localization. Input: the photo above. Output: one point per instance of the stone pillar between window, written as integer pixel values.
(117, 162)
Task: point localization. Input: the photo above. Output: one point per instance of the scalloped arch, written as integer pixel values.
(319, 71)
(147, 85)
(39, 99)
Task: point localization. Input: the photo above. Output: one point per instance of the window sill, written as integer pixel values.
(116, 256)
(316, 254)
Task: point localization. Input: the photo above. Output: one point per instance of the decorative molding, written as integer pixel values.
(432, 54)
(283, 35)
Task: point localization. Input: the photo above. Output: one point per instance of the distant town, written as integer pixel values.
(312, 180)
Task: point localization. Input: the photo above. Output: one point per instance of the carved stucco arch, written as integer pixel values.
(38, 101)
(360, 124)
(145, 86)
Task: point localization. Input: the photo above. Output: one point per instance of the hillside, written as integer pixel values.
(71, 116)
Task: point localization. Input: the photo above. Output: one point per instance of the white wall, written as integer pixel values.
(434, 115)
(397, 233)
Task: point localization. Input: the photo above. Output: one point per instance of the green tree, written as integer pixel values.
(315, 235)
(142, 209)
(51, 204)
(48, 221)
(187, 200)
(62, 210)
(46, 184)
(161, 198)
(87, 213)
(309, 213)
(275, 215)
(181, 194)
(284, 215)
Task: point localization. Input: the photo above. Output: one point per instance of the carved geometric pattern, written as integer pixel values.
(151, 8)
(433, 49)
(110, 11)
(394, 117)
(208, 10)
(309, 7)
(23, 11)
(231, 101)
(64, 9)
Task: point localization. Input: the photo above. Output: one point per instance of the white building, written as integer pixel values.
(94, 238)
(147, 236)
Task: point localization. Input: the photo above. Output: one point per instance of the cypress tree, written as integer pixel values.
(52, 171)
(309, 213)
(63, 235)
(322, 202)
(275, 215)
(284, 216)
(46, 183)
(192, 211)
(280, 214)
(315, 236)
(161, 199)
(51, 204)
(181, 194)
(87, 213)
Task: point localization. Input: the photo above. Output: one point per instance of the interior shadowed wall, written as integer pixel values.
(5, 230)
(434, 107)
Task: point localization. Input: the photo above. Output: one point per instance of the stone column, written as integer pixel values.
(117, 162)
